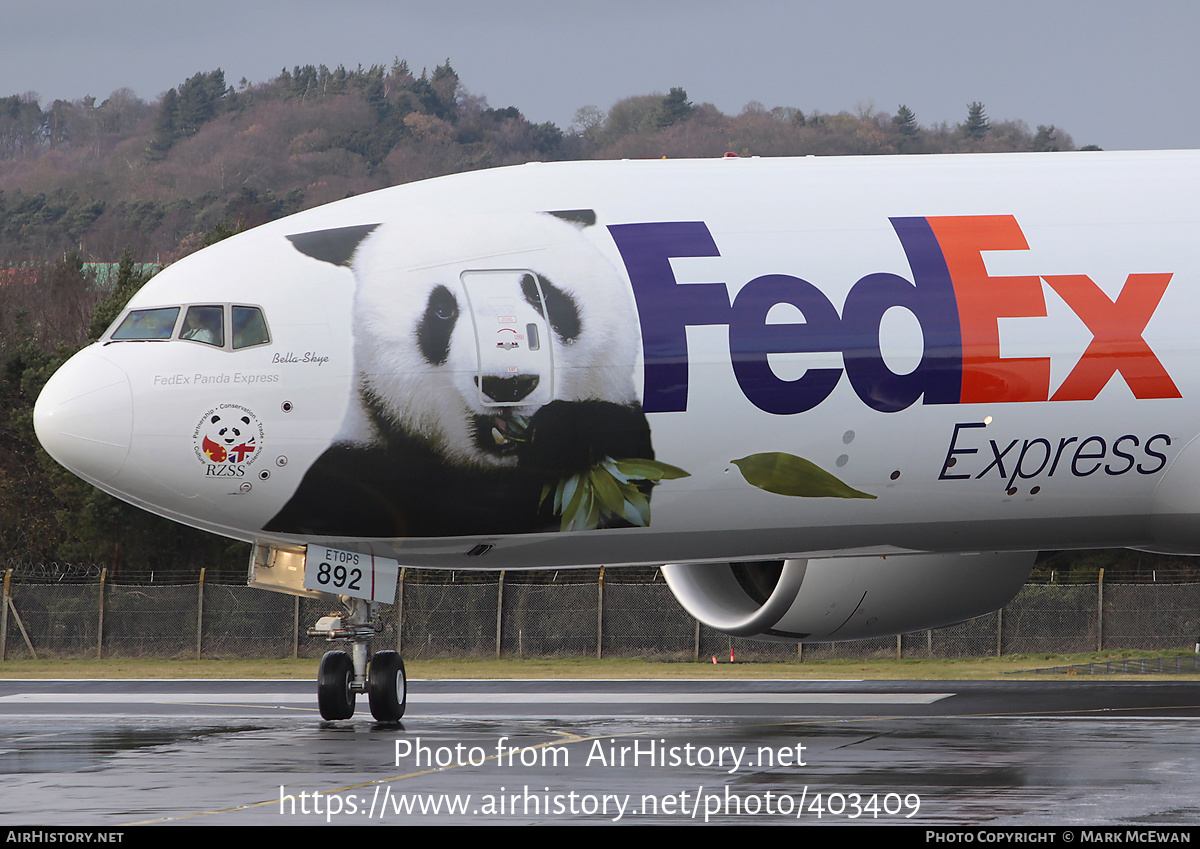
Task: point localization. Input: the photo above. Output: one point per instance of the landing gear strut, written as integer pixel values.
(342, 676)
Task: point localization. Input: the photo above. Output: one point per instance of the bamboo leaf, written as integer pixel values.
(592, 519)
(787, 474)
(572, 501)
(610, 465)
(570, 488)
(637, 508)
(650, 470)
(578, 515)
(606, 489)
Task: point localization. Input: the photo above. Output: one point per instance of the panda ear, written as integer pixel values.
(334, 246)
(579, 217)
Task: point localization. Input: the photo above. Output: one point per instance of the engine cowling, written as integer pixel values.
(847, 598)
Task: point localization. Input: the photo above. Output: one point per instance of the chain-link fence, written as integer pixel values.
(591, 614)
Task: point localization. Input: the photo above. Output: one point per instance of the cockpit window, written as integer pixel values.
(249, 327)
(205, 324)
(141, 325)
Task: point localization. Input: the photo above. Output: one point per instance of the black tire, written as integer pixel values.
(334, 696)
(387, 686)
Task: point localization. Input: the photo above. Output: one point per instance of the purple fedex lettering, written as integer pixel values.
(751, 339)
(930, 298)
(666, 308)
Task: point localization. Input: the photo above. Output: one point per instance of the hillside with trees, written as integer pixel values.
(96, 178)
(86, 185)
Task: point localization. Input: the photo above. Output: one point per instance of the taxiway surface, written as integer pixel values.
(943, 753)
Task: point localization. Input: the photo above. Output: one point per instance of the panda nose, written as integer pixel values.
(508, 390)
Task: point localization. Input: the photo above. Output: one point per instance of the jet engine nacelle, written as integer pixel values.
(847, 598)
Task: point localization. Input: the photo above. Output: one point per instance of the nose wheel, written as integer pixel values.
(341, 675)
(335, 686)
(387, 686)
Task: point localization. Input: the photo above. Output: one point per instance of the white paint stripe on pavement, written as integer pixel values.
(492, 698)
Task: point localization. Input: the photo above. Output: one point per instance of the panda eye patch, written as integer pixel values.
(564, 312)
(437, 325)
(532, 296)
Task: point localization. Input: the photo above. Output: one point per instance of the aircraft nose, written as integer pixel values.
(84, 416)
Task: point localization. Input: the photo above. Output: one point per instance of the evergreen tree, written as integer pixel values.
(166, 127)
(375, 94)
(127, 284)
(546, 138)
(905, 121)
(200, 100)
(675, 108)
(444, 84)
(977, 124)
(1045, 139)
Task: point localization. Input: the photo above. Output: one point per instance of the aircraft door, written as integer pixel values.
(516, 364)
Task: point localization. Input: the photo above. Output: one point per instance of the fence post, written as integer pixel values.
(1100, 612)
(600, 614)
(696, 643)
(499, 611)
(100, 624)
(295, 627)
(21, 628)
(999, 631)
(4, 616)
(199, 612)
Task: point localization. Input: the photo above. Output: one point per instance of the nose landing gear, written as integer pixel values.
(342, 676)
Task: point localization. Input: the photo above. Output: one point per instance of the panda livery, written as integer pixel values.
(222, 435)
(226, 437)
(457, 427)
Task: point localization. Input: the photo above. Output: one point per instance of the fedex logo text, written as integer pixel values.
(951, 295)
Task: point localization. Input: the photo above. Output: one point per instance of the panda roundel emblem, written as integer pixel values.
(228, 440)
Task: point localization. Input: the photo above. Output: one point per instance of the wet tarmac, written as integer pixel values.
(1073, 752)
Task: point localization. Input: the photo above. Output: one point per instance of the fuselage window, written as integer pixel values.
(204, 324)
(249, 327)
(143, 325)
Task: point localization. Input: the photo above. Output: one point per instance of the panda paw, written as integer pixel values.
(570, 437)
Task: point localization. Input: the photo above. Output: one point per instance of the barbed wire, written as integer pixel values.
(52, 571)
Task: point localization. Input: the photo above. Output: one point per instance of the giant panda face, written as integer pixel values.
(227, 430)
(498, 401)
(426, 342)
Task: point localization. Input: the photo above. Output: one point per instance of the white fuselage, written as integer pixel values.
(994, 352)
